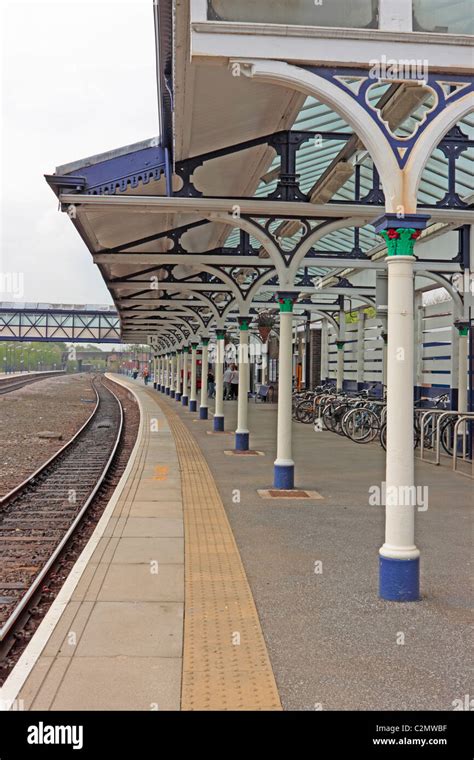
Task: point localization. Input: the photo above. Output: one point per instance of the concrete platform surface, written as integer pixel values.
(200, 594)
(332, 642)
(128, 631)
(119, 641)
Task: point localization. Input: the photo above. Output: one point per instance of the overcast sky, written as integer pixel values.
(78, 78)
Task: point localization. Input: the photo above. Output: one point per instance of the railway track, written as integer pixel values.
(14, 383)
(39, 516)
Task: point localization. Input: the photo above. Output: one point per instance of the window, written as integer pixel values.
(455, 17)
(356, 14)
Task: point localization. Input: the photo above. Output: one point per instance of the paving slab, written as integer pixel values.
(156, 509)
(126, 582)
(154, 526)
(131, 628)
(120, 683)
(164, 551)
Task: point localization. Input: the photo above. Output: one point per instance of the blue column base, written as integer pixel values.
(399, 579)
(154, 386)
(184, 400)
(167, 391)
(242, 441)
(284, 476)
(177, 396)
(219, 424)
(192, 405)
(172, 393)
(161, 388)
(203, 413)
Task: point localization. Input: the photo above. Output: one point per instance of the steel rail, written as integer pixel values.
(13, 384)
(11, 620)
(8, 496)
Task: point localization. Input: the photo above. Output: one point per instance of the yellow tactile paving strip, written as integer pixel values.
(225, 659)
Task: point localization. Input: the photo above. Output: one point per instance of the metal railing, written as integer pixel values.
(434, 432)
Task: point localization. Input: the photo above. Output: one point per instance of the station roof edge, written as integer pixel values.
(99, 158)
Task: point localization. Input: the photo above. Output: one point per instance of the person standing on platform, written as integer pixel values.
(228, 383)
(211, 384)
(146, 375)
(234, 381)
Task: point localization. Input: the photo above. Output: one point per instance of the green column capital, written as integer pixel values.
(400, 240)
(463, 328)
(185, 349)
(340, 344)
(244, 322)
(220, 334)
(205, 341)
(194, 345)
(286, 301)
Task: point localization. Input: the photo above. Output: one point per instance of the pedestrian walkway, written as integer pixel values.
(113, 640)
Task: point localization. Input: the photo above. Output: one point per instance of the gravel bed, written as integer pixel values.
(58, 405)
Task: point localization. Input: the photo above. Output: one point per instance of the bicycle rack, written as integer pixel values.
(436, 441)
(463, 417)
(424, 413)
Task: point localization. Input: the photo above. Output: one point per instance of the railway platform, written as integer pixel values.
(113, 639)
(196, 593)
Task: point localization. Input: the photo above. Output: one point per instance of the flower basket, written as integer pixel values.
(265, 322)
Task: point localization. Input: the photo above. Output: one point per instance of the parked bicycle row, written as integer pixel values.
(361, 417)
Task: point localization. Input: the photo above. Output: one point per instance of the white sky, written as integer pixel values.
(77, 78)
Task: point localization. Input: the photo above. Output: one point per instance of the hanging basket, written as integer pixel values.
(264, 331)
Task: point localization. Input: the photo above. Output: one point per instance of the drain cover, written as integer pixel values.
(289, 494)
(249, 453)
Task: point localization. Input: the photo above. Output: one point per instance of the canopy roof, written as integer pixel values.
(154, 223)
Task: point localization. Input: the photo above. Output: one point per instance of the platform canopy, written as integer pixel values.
(251, 181)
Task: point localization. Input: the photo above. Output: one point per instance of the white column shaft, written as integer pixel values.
(204, 373)
(264, 364)
(285, 378)
(360, 347)
(324, 350)
(185, 373)
(193, 373)
(242, 402)
(172, 371)
(219, 378)
(177, 378)
(179, 361)
(400, 476)
(463, 343)
(340, 369)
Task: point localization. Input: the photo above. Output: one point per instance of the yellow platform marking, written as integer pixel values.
(225, 660)
(161, 472)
